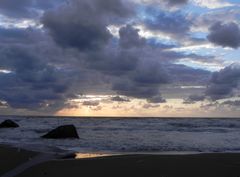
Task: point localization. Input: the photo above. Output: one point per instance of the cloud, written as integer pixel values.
(181, 74)
(32, 82)
(16, 8)
(150, 106)
(232, 103)
(168, 107)
(74, 52)
(213, 4)
(139, 65)
(141, 76)
(36, 79)
(90, 103)
(174, 23)
(224, 83)
(26, 8)
(173, 4)
(202, 22)
(113, 61)
(13, 35)
(143, 82)
(120, 99)
(67, 33)
(3, 104)
(225, 35)
(156, 99)
(129, 37)
(177, 2)
(82, 24)
(150, 73)
(130, 88)
(193, 99)
(98, 108)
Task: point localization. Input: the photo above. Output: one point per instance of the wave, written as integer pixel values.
(130, 135)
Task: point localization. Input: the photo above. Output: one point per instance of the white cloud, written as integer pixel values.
(212, 4)
(144, 32)
(7, 22)
(193, 86)
(4, 71)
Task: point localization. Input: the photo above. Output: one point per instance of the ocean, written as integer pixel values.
(128, 135)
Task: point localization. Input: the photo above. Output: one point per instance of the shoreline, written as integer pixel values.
(61, 152)
(139, 165)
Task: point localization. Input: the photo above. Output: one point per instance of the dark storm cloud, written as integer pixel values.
(224, 83)
(76, 35)
(143, 70)
(174, 23)
(113, 61)
(193, 99)
(143, 82)
(75, 53)
(149, 88)
(130, 88)
(32, 83)
(225, 35)
(129, 37)
(83, 24)
(36, 80)
(181, 74)
(150, 73)
(139, 76)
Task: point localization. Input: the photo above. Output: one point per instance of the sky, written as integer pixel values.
(155, 58)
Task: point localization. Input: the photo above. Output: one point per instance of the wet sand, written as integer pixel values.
(198, 165)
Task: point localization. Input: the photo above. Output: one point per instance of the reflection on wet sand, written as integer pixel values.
(90, 155)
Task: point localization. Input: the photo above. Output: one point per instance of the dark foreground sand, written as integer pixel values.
(201, 165)
(12, 157)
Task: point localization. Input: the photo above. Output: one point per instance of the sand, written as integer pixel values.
(12, 157)
(199, 165)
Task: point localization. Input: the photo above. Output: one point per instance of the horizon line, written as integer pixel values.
(167, 117)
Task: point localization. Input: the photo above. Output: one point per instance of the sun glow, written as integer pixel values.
(86, 106)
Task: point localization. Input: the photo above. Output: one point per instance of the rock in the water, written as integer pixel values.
(65, 131)
(8, 124)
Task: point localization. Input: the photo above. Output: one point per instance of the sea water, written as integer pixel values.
(128, 135)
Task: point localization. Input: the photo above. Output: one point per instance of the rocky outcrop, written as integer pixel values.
(62, 132)
(8, 124)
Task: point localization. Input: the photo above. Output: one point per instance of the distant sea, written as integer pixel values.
(128, 135)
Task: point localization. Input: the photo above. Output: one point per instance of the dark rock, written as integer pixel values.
(8, 124)
(62, 132)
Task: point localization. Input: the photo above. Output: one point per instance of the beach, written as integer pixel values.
(193, 165)
(11, 157)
